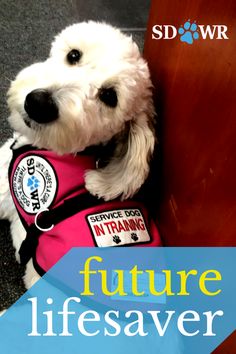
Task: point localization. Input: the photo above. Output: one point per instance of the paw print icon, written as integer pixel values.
(188, 33)
(134, 236)
(33, 183)
(116, 239)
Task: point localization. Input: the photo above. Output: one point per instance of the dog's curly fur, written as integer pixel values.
(109, 59)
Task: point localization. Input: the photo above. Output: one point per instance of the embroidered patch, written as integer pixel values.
(118, 227)
(34, 184)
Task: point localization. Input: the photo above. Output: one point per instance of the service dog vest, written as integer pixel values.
(58, 213)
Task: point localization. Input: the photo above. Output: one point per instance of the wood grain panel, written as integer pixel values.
(195, 93)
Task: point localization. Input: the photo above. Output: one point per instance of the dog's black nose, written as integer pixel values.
(40, 106)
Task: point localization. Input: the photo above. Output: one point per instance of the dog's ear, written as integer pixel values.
(129, 166)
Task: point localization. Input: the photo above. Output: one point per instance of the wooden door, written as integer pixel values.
(195, 93)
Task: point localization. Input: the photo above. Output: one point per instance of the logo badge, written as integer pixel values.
(189, 32)
(34, 184)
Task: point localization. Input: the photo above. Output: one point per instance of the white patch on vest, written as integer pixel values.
(118, 227)
(34, 184)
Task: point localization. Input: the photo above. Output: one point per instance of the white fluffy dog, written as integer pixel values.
(93, 89)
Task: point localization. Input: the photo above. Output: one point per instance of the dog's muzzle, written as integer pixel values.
(40, 106)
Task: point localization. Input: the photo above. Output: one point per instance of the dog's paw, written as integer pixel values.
(17, 256)
(31, 276)
(2, 312)
(100, 186)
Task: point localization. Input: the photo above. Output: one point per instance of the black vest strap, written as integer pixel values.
(46, 219)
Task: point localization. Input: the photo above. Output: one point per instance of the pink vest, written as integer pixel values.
(41, 180)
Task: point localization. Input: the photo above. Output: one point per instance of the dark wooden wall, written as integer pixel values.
(196, 105)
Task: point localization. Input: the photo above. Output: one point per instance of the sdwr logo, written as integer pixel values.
(189, 32)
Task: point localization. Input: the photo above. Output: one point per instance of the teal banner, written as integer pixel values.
(127, 300)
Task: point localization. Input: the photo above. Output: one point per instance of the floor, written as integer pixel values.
(27, 28)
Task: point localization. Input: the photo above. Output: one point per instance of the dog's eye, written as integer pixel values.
(73, 57)
(108, 96)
